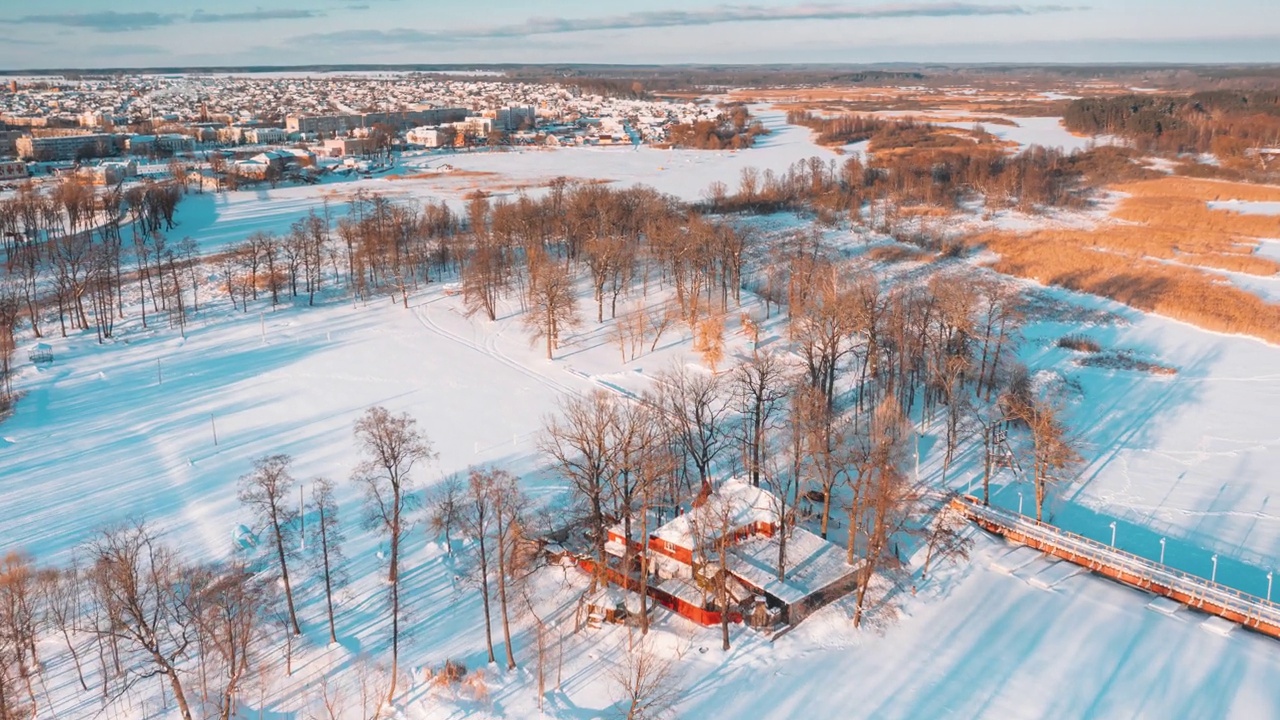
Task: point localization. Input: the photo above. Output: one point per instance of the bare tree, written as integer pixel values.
(326, 545)
(62, 590)
(761, 382)
(267, 492)
(696, 405)
(1053, 450)
(227, 604)
(445, 507)
(508, 521)
(10, 309)
(827, 440)
(553, 303)
(145, 591)
(949, 538)
(890, 501)
(330, 698)
(646, 683)
(19, 614)
(711, 523)
(477, 524)
(581, 448)
(392, 445)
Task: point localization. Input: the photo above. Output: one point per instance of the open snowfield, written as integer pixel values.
(127, 430)
(1248, 208)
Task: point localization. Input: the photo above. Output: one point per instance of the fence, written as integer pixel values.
(698, 614)
(1249, 611)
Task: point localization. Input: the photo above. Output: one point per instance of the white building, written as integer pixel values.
(476, 125)
(265, 136)
(169, 143)
(431, 137)
(510, 119)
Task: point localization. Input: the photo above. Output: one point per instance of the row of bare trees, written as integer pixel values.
(65, 247)
(144, 610)
(146, 614)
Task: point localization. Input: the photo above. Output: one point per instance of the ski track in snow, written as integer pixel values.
(489, 349)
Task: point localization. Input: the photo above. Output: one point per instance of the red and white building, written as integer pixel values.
(684, 555)
(13, 170)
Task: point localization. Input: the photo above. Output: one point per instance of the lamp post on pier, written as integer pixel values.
(1113, 533)
(1161, 551)
(1268, 587)
(1214, 576)
(1019, 502)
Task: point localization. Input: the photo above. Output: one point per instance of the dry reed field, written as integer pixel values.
(978, 101)
(1157, 253)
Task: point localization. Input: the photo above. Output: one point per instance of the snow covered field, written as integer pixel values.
(127, 430)
(1248, 208)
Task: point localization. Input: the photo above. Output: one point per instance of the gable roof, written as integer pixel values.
(745, 504)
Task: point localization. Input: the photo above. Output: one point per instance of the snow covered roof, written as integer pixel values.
(682, 589)
(812, 565)
(746, 505)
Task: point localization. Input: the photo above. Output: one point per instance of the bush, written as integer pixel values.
(894, 254)
(1079, 343)
(451, 673)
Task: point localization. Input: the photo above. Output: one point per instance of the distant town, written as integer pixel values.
(272, 127)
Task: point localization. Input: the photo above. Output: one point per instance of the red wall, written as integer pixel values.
(663, 598)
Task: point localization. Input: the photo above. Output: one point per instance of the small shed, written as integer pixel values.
(607, 605)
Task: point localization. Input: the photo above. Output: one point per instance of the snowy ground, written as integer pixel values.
(127, 430)
(1246, 207)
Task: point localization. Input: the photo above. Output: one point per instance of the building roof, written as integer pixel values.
(685, 590)
(746, 505)
(813, 564)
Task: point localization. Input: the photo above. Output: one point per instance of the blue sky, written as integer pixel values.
(142, 33)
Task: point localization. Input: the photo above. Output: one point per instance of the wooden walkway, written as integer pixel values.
(1210, 597)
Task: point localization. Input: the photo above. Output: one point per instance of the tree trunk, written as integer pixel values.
(502, 602)
(284, 574)
(176, 685)
(484, 595)
(395, 591)
(328, 583)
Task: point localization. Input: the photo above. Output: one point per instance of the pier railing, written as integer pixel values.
(1193, 591)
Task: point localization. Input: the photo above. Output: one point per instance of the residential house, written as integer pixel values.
(683, 555)
(342, 146)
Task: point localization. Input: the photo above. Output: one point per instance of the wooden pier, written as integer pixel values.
(1249, 611)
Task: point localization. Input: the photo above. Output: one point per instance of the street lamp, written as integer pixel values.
(1019, 502)
(1161, 551)
(1113, 533)
(1214, 576)
(1268, 587)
